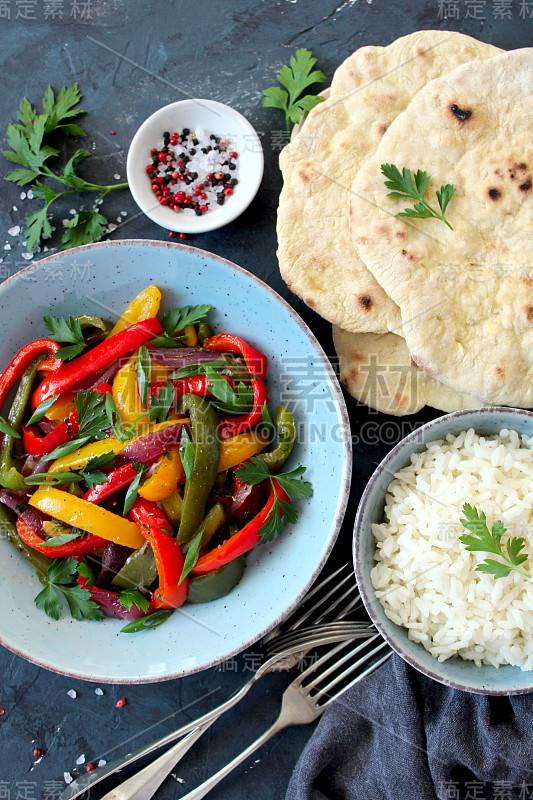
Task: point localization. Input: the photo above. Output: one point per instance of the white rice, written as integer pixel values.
(425, 578)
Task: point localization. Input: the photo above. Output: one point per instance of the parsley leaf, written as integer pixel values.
(403, 186)
(92, 416)
(296, 78)
(62, 330)
(130, 597)
(256, 471)
(192, 555)
(482, 539)
(62, 538)
(174, 321)
(60, 581)
(30, 150)
(144, 372)
(87, 572)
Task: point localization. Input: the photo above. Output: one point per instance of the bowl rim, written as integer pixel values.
(357, 545)
(241, 200)
(342, 500)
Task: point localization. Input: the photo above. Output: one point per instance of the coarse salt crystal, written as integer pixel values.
(80, 760)
(14, 230)
(72, 693)
(67, 777)
(27, 256)
(102, 762)
(124, 213)
(116, 177)
(15, 208)
(23, 195)
(30, 194)
(7, 247)
(72, 211)
(99, 692)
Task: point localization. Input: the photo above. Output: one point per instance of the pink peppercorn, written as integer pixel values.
(228, 191)
(172, 234)
(150, 168)
(90, 767)
(183, 235)
(120, 703)
(203, 208)
(233, 154)
(162, 156)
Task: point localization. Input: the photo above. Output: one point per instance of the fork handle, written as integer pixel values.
(211, 782)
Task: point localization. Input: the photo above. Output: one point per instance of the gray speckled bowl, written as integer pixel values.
(454, 672)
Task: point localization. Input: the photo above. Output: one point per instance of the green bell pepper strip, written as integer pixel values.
(39, 561)
(204, 588)
(10, 477)
(205, 331)
(213, 520)
(286, 437)
(204, 423)
(139, 571)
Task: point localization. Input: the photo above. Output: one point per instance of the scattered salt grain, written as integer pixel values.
(7, 247)
(73, 212)
(72, 693)
(30, 194)
(124, 213)
(27, 256)
(15, 208)
(67, 777)
(23, 195)
(98, 692)
(111, 227)
(179, 780)
(102, 762)
(14, 230)
(116, 177)
(80, 760)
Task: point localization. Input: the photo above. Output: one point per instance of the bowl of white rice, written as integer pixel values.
(461, 626)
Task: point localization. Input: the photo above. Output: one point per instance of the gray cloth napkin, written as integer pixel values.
(401, 736)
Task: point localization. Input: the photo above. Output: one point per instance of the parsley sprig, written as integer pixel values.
(296, 78)
(403, 188)
(31, 151)
(228, 401)
(91, 473)
(255, 471)
(484, 540)
(173, 323)
(60, 582)
(69, 331)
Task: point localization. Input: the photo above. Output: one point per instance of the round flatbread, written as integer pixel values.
(376, 369)
(466, 295)
(369, 90)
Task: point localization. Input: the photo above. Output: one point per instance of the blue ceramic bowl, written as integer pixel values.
(101, 279)
(454, 672)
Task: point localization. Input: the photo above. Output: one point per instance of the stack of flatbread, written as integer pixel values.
(422, 314)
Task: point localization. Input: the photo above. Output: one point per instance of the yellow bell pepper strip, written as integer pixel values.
(87, 516)
(168, 557)
(142, 307)
(165, 477)
(62, 407)
(126, 393)
(240, 448)
(191, 337)
(82, 455)
(100, 356)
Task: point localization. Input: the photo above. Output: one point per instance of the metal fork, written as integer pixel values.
(333, 598)
(307, 697)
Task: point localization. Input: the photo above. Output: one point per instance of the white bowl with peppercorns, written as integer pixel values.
(194, 165)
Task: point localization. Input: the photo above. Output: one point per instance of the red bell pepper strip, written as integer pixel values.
(167, 552)
(103, 388)
(242, 541)
(100, 356)
(116, 480)
(37, 445)
(51, 364)
(257, 367)
(198, 385)
(77, 547)
(18, 364)
(255, 361)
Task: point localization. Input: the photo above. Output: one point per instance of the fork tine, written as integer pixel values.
(296, 620)
(325, 690)
(348, 629)
(368, 671)
(356, 601)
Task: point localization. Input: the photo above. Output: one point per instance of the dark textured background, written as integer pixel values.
(229, 51)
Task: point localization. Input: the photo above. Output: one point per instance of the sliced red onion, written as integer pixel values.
(113, 559)
(18, 502)
(106, 376)
(153, 444)
(46, 426)
(175, 357)
(110, 605)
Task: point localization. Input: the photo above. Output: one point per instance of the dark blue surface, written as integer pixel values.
(227, 51)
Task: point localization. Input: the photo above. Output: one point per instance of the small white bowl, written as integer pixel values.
(214, 118)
